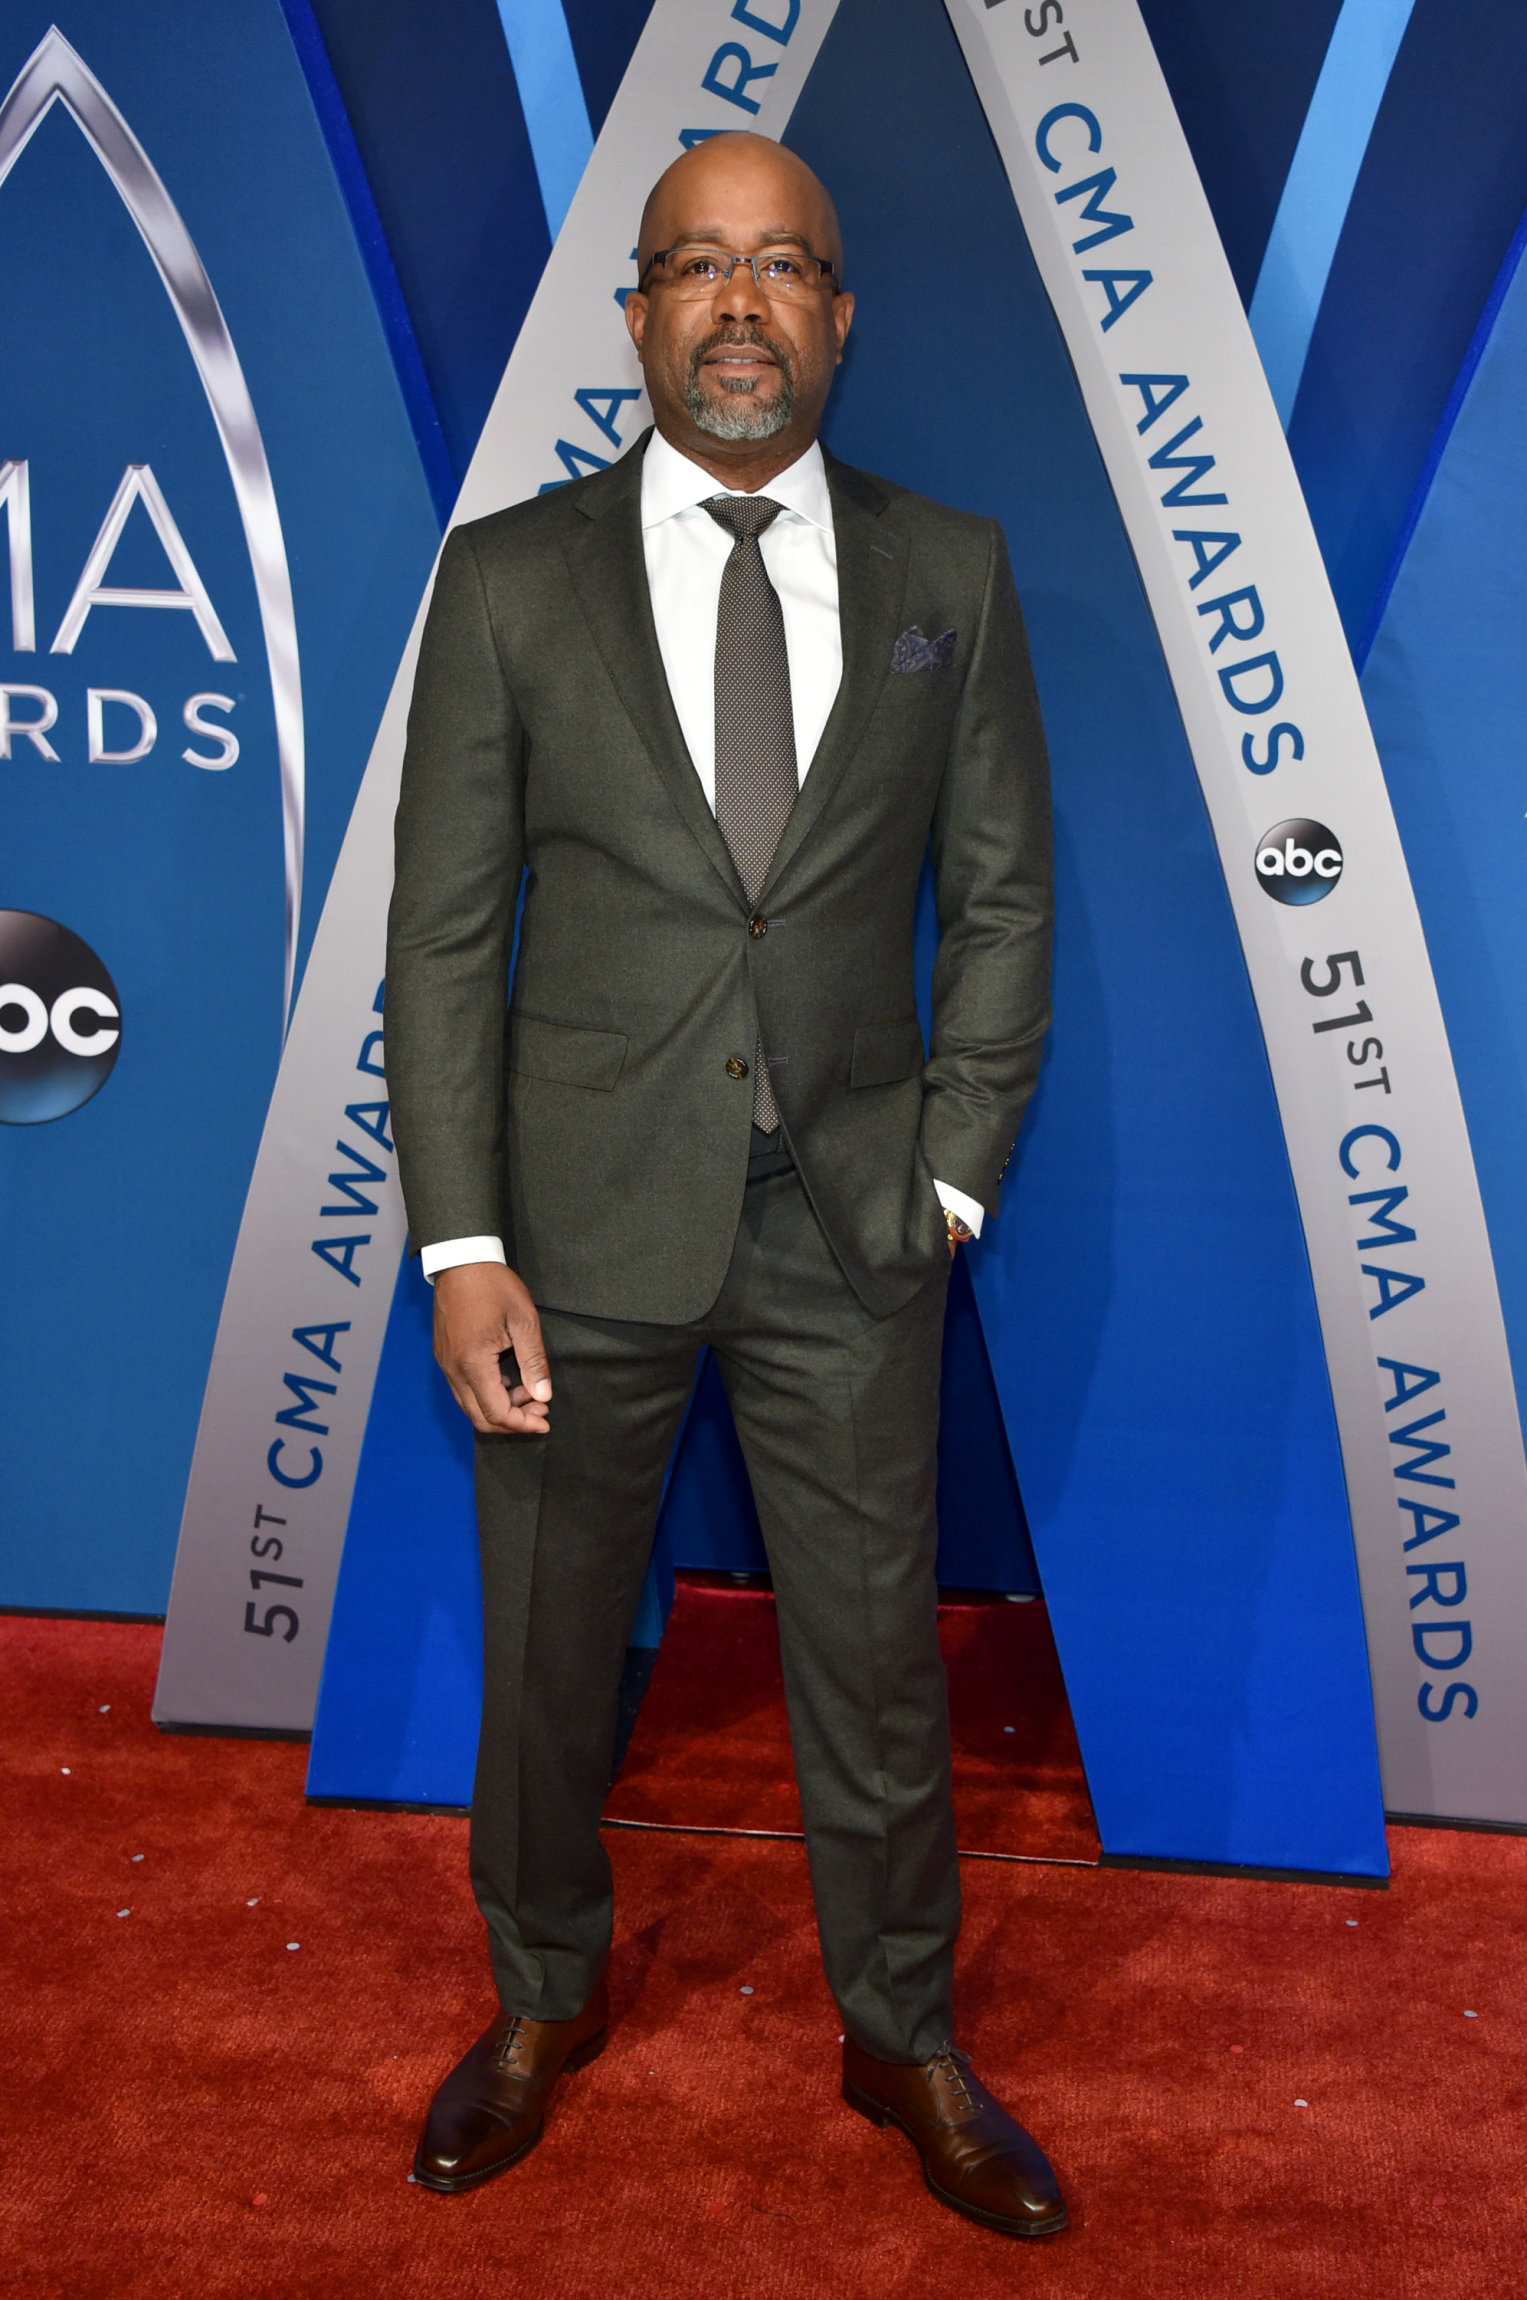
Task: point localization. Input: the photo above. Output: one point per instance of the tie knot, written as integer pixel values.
(743, 516)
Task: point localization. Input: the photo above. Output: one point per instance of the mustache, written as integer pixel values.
(738, 337)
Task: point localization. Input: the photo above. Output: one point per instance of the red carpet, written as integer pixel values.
(165, 2069)
(712, 1750)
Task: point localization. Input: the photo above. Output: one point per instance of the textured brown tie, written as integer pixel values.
(756, 779)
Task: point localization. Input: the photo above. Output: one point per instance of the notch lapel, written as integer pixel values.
(604, 555)
(872, 584)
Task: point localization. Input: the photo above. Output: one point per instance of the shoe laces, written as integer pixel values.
(950, 2064)
(511, 2041)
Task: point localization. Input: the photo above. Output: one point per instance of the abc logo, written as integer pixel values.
(60, 1024)
(1298, 861)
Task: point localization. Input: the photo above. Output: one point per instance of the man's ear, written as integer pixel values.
(635, 308)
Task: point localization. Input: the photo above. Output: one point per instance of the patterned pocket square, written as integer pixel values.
(914, 652)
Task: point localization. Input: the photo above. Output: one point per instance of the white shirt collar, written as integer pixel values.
(671, 484)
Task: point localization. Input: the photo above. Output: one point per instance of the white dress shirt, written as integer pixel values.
(686, 551)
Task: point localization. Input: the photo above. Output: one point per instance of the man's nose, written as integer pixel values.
(741, 297)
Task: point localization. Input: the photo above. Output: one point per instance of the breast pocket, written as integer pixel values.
(886, 1052)
(564, 1053)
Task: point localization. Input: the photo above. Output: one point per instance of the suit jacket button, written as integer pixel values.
(735, 1066)
(758, 926)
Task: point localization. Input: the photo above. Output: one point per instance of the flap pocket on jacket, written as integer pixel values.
(565, 1053)
(885, 1052)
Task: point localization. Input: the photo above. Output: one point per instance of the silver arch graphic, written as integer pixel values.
(56, 73)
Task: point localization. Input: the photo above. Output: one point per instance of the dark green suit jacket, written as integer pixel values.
(602, 1133)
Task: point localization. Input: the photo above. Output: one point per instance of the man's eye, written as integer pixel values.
(698, 268)
(782, 268)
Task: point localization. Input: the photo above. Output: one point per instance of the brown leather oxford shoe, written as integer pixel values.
(491, 2109)
(976, 2158)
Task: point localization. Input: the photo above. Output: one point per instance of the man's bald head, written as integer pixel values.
(739, 179)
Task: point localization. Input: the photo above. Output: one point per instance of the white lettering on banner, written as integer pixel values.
(140, 486)
(1129, 255)
(570, 402)
(137, 485)
(34, 728)
(42, 708)
(16, 495)
(197, 723)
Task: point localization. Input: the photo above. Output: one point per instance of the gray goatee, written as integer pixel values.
(740, 415)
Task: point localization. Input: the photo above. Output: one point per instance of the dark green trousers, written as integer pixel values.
(837, 1413)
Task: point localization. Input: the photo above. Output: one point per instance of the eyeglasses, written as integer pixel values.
(696, 271)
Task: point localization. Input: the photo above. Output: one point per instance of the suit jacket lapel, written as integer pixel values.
(609, 572)
(872, 582)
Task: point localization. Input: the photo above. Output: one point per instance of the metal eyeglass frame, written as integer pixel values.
(828, 270)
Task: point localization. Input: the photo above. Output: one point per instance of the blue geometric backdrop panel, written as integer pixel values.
(1443, 687)
(119, 1219)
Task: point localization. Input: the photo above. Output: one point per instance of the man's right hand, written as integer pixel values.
(481, 1310)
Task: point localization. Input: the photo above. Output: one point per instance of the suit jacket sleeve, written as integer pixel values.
(994, 888)
(459, 852)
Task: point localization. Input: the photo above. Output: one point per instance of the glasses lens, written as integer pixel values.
(788, 274)
(695, 269)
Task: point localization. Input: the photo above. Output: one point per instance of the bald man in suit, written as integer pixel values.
(713, 708)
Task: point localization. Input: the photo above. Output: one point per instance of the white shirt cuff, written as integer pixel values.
(452, 1252)
(970, 1210)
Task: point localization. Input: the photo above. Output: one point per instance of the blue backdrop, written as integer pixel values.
(374, 200)
(1442, 686)
(119, 1220)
